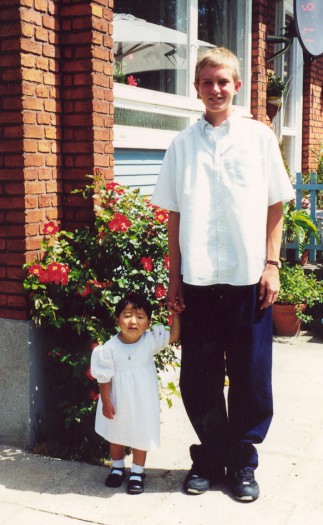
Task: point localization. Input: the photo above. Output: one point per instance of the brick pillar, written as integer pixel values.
(259, 55)
(87, 98)
(312, 113)
(56, 117)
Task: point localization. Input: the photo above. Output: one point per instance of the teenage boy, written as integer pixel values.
(223, 181)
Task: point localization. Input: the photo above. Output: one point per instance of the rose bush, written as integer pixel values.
(74, 287)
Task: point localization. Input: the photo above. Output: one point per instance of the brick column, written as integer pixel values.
(259, 55)
(312, 113)
(56, 117)
(87, 98)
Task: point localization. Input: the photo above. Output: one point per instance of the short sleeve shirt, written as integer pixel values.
(221, 180)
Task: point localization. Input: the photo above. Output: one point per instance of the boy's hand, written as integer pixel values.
(175, 301)
(108, 409)
(269, 286)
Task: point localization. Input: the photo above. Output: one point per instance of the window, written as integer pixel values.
(289, 66)
(156, 45)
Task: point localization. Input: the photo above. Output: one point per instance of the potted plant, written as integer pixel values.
(298, 227)
(298, 291)
(275, 90)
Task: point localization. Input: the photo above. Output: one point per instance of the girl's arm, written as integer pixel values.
(175, 329)
(107, 407)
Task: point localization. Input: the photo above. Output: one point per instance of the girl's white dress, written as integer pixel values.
(134, 389)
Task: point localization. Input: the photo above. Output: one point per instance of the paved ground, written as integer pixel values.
(43, 491)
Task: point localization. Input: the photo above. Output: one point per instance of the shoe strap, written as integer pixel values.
(117, 471)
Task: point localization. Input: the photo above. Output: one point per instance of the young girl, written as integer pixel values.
(128, 407)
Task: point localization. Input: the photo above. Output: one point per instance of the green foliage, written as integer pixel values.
(298, 226)
(297, 288)
(82, 274)
(275, 85)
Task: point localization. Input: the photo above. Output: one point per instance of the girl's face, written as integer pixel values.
(217, 87)
(132, 323)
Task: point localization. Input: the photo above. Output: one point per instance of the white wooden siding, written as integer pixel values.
(138, 168)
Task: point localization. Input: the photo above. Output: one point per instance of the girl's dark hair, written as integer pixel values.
(136, 300)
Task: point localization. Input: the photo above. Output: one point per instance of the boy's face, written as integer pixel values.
(217, 88)
(133, 323)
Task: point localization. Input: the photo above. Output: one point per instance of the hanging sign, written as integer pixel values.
(309, 25)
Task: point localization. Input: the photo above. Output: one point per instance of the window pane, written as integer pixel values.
(289, 66)
(145, 119)
(151, 44)
(223, 23)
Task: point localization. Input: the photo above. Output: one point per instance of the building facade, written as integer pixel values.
(103, 84)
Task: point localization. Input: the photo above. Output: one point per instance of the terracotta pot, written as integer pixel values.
(304, 258)
(285, 320)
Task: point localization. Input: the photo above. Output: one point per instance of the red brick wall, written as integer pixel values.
(259, 55)
(312, 113)
(263, 23)
(87, 97)
(56, 118)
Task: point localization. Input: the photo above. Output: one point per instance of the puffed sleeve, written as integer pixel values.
(102, 366)
(160, 337)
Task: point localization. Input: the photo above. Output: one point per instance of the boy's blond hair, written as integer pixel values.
(218, 56)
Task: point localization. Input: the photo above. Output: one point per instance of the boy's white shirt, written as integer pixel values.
(221, 180)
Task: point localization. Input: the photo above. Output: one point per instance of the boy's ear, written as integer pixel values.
(237, 86)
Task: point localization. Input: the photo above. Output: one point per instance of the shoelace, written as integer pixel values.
(246, 474)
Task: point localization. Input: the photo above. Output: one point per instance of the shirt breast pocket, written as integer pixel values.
(245, 170)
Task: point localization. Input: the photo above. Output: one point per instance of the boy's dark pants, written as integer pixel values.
(224, 328)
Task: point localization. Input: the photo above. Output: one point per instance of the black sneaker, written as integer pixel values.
(243, 484)
(196, 484)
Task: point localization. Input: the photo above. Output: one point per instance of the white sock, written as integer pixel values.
(118, 464)
(136, 469)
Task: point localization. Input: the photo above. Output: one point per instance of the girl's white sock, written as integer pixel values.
(136, 469)
(117, 464)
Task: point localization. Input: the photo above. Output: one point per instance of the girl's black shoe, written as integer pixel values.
(115, 479)
(135, 485)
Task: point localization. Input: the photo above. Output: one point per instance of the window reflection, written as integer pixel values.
(151, 44)
(223, 23)
(153, 49)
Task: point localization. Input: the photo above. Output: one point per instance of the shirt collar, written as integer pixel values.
(226, 124)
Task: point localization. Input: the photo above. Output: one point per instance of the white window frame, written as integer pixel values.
(190, 107)
(294, 132)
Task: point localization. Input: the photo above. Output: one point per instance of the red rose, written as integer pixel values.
(166, 261)
(86, 291)
(160, 291)
(93, 395)
(50, 228)
(114, 186)
(35, 269)
(44, 276)
(119, 223)
(147, 263)
(55, 272)
(161, 215)
(131, 81)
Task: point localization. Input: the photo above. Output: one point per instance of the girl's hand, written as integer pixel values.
(108, 409)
